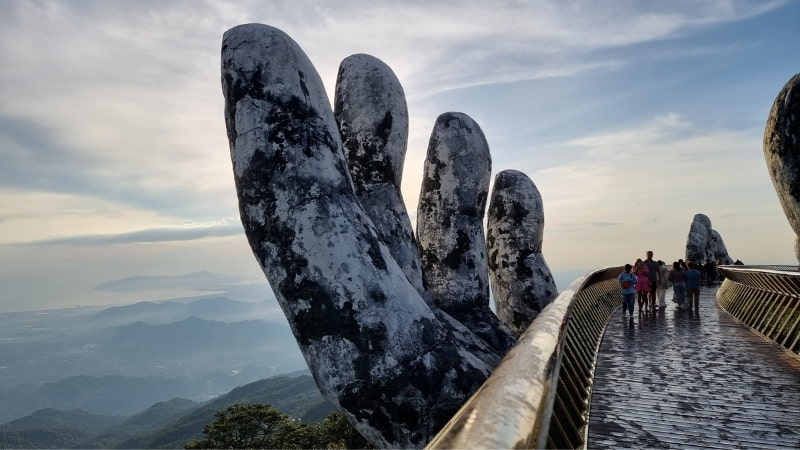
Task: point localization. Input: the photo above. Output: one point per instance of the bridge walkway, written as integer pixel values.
(685, 379)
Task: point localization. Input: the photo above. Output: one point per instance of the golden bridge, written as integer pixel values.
(582, 376)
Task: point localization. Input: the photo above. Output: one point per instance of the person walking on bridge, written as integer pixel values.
(693, 280)
(653, 275)
(711, 272)
(677, 277)
(642, 284)
(663, 284)
(627, 281)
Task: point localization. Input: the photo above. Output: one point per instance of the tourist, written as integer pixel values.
(710, 270)
(663, 284)
(642, 284)
(653, 274)
(627, 281)
(693, 280)
(677, 277)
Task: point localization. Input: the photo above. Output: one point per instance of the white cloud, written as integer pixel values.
(45, 218)
(150, 235)
(651, 180)
(137, 91)
(136, 85)
(472, 43)
(647, 162)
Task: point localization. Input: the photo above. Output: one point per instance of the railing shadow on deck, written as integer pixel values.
(766, 299)
(539, 394)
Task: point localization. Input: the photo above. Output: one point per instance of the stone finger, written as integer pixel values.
(522, 283)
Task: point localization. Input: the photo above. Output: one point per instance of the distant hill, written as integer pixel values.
(40, 438)
(123, 369)
(141, 424)
(295, 396)
(51, 428)
(149, 312)
(206, 307)
(203, 280)
(160, 413)
(190, 334)
(54, 419)
(108, 395)
(168, 424)
(118, 361)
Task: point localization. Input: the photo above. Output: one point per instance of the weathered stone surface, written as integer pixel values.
(450, 226)
(376, 349)
(704, 243)
(718, 249)
(782, 152)
(521, 280)
(370, 109)
(698, 238)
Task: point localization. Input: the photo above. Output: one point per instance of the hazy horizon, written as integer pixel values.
(251, 293)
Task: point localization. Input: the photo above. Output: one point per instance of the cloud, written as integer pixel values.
(606, 224)
(187, 233)
(122, 100)
(475, 43)
(636, 172)
(115, 100)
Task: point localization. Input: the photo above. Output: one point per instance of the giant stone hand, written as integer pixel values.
(397, 336)
(782, 152)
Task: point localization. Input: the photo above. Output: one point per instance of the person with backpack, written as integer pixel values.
(627, 282)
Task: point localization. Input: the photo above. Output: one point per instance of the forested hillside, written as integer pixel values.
(169, 424)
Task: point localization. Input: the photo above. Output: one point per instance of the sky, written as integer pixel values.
(630, 117)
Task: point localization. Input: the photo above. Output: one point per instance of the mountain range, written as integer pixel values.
(122, 359)
(167, 424)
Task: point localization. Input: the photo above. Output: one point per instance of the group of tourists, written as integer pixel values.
(709, 272)
(646, 282)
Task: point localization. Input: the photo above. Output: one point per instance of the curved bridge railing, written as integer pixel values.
(766, 299)
(549, 407)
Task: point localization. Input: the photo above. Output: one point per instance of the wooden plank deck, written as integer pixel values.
(681, 379)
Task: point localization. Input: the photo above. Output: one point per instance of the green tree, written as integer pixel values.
(262, 426)
(335, 432)
(252, 426)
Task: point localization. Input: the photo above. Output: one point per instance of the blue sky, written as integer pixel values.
(629, 116)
